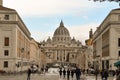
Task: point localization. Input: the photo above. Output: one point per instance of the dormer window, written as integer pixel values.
(6, 17)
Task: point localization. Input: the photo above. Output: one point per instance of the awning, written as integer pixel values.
(117, 63)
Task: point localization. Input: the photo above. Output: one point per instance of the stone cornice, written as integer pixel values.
(106, 26)
(106, 23)
(19, 25)
(22, 24)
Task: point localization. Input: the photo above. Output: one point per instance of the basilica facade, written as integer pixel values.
(61, 48)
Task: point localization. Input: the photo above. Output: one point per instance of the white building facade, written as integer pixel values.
(106, 42)
(34, 53)
(14, 41)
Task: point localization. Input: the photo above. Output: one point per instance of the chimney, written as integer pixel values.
(1, 2)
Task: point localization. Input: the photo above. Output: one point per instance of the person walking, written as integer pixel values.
(29, 73)
(68, 74)
(60, 72)
(72, 74)
(64, 73)
(118, 74)
(104, 75)
(78, 73)
(118, 77)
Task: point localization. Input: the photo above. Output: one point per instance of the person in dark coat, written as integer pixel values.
(104, 75)
(78, 73)
(64, 73)
(118, 77)
(42, 70)
(60, 72)
(72, 74)
(29, 73)
(68, 74)
(118, 74)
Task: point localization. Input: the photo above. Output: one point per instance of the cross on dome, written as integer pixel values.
(61, 24)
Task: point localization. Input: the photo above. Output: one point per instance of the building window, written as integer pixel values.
(6, 41)
(6, 53)
(107, 64)
(103, 66)
(118, 42)
(6, 17)
(119, 17)
(5, 64)
(118, 53)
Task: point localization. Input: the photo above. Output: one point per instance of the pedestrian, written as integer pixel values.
(83, 71)
(68, 74)
(87, 71)
(42, 70)
(118, 74)
(72, 74)
(64, 73)
(104, 74)
(46, 69)
(78, 73)
(29, 73)
(118, 77)
(96, 72)
(60, 72)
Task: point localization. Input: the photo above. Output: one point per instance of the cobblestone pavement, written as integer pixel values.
(46, 77)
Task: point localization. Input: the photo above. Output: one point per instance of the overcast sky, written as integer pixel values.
(42, 17)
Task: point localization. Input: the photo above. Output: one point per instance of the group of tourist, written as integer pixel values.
(118, 73)
(71, 73)
(105, 74)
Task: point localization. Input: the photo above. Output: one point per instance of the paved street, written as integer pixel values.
(45, 77)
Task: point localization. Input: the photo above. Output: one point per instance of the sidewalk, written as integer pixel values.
(48, 77)
(93, 77)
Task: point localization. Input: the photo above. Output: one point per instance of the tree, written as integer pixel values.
(118, 1)
(106, 0)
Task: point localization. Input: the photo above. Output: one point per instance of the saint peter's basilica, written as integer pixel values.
(61, 48)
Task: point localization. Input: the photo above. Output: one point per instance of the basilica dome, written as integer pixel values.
(61, 34)
(61, 31)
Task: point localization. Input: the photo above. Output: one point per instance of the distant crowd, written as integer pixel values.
(71, 73)
(76, 73)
